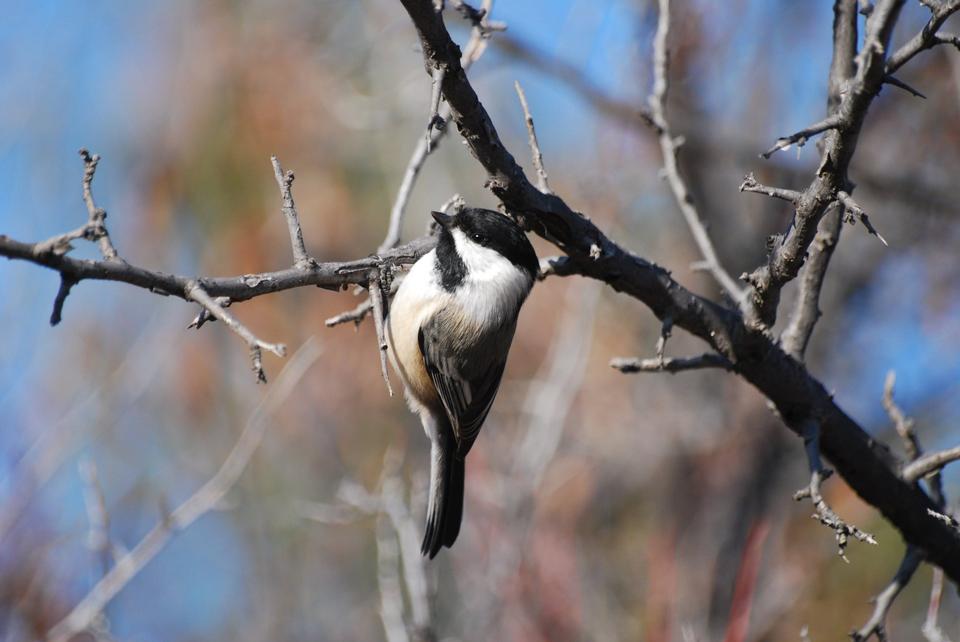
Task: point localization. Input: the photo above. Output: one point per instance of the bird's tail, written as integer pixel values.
(445, 508)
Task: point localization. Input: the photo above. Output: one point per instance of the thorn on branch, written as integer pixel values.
(800, 138)
(542, 182)
(851, 207)
(204, 315)
(896, 82)
(66, 284)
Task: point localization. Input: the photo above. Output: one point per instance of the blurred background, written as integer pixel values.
(599, 506)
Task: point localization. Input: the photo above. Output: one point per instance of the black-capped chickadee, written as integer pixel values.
(449, 331)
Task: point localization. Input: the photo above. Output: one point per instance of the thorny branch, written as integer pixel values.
(806, 312)
(854, 95)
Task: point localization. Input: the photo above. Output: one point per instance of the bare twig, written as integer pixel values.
(356, 315)
(542, 183)
(669, 146)
(414, 573)
(285, 181)
(850, 206)
(750, 184)
(435, 121)
(388, 581)
(670, 364)
(195, 292)
(930, 463)
(98, 535)
(97, 215)
(202, 501)
(875, 626)
(931, 630)
(378, 307)
(824, 514)
(902, 423)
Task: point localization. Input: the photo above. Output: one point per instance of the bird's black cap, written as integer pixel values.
(495, 231)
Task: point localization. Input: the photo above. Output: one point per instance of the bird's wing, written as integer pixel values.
(467, 381)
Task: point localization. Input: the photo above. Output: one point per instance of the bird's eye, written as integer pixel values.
(477, 237)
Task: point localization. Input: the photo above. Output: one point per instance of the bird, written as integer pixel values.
(449, 330)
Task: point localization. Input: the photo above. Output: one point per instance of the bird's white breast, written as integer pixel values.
(489, 296)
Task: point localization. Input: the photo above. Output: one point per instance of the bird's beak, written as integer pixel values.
(443, 220)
